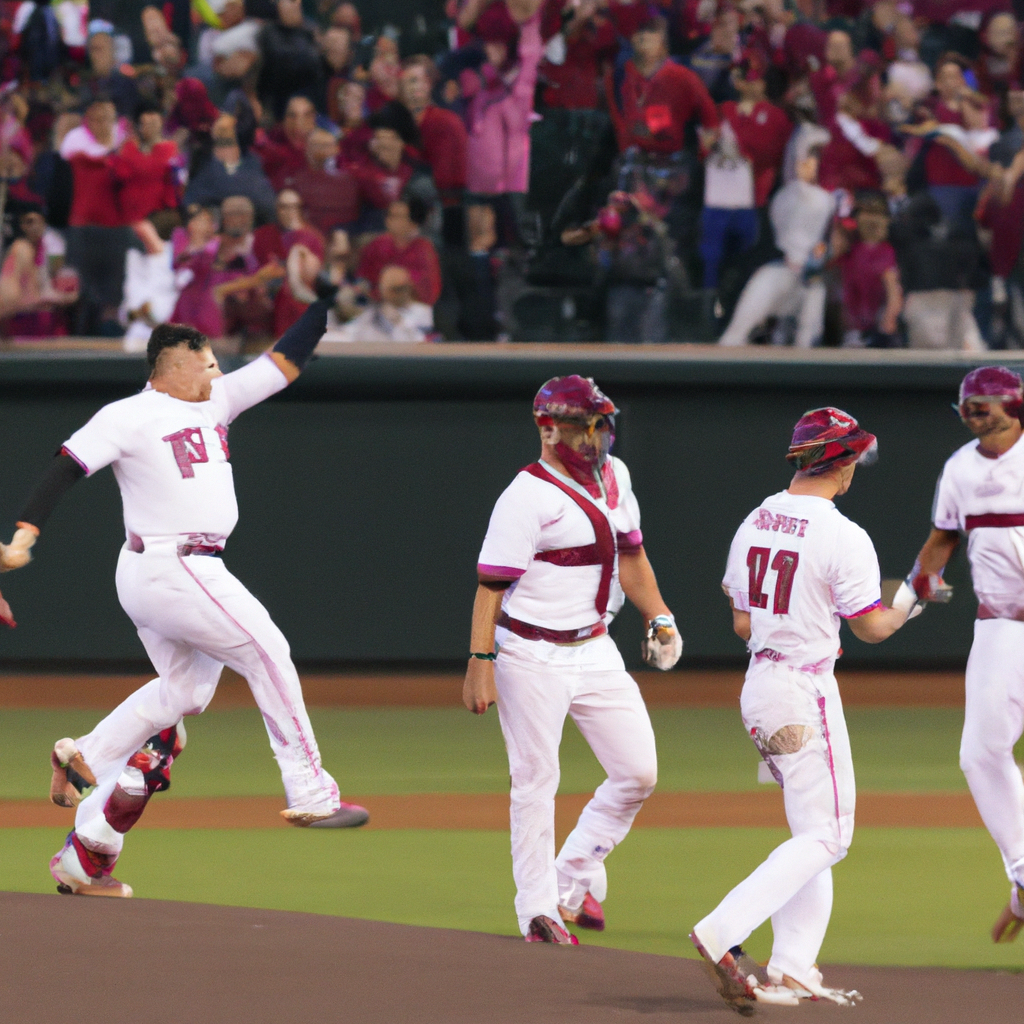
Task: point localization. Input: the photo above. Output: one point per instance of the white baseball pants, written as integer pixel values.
(539, 683)
(776, 290)
(993, 722)
(794, 885)
(194, 617)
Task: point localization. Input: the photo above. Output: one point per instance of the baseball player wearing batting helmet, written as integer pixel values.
(980, 493)
(797, 566)
(168, 446)
(562, 552)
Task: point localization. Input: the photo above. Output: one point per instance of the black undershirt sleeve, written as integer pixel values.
(298, 342)
(63, 472)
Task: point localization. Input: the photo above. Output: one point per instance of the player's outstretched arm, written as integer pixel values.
(479, 691)
(926, 576)
(62, 473)
(292, 352)
(880, 623)
(663, 645)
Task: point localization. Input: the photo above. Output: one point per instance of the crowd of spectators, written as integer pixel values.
(785, 171)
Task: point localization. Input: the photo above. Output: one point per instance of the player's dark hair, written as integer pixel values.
(167, 336)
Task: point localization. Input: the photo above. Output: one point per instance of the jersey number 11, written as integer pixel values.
(784, 563)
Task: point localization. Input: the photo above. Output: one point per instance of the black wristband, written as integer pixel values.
(62, 474)
(298, 342)
(483, 657)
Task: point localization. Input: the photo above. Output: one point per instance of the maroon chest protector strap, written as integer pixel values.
(600, 553)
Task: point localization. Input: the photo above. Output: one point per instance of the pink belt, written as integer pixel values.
(819, 667)
(528, 631)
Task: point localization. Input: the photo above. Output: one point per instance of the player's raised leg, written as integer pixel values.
(613, 719)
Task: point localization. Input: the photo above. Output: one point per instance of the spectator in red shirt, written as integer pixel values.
(872, 295)
(382, 175)
(329, 193)
(442, 141)
(284, 150)
(859, 141)
(291, 244)
(999, 65)
(951, 184)
(837, 76)
(589, 40)
(742, 168)
(146, 171)
(350, 116)
(402, 245)
(658, 98)
(96, 235)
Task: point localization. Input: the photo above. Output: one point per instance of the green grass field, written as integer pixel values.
(903, 896)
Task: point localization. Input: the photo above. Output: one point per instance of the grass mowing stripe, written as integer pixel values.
(418, 750)
(908, 897)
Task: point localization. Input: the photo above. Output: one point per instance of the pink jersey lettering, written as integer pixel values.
(803, 527)
(189, 448)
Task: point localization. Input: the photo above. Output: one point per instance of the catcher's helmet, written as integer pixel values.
(995, 383)
(572, 398)
(823, 438)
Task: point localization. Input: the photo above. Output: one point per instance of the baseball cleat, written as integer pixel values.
(346, 816)
(737, 989)
(81, 872)
(589, 915)
(1011, 920)
(812, 988)
(71, 774)
(543, 929)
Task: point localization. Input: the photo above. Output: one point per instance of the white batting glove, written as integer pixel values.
(663, 646)
(17, 553)
(905, 600)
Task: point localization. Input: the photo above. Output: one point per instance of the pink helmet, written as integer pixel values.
(823, 438)
(571, 398)
(994, 382)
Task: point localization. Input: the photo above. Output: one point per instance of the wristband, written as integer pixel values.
(483, 657)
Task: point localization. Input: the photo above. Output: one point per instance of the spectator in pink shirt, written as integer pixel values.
(499, 113)
(872, 295)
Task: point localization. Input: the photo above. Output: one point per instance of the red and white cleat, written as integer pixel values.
(589, 915)
(346, 816)
(737, 989)
(82, 872)
(812, 987)
(543, 929)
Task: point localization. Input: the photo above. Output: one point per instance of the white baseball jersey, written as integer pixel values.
(798, 565)
(985, 497)
(538, 536)
(170, 457)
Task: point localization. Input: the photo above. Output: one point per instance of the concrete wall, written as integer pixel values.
(365, 490)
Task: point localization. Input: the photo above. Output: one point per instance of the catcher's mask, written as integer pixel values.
(577, 403)
(992, 384)
(828, 437)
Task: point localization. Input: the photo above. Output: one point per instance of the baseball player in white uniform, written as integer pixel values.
(796, 567)
(981, 493)
(563, 549)
(168, 446)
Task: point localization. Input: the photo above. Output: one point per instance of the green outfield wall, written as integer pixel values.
(365, 488)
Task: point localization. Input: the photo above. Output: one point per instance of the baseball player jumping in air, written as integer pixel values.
(168, 446)
(981, 492)
(796, 567)
(562, 551)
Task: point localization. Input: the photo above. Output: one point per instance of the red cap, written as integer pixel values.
(823, 438)
(496, 25)
(571, 398)
(991, 382)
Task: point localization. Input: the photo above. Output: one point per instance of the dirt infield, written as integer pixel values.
(692, 688)
(122, 961)
(758, 809)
